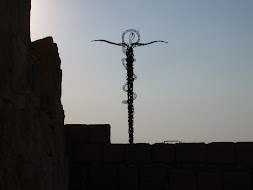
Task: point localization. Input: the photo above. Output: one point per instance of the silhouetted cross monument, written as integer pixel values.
(127, 62)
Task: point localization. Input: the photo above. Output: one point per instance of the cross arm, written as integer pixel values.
(117, 44)
(144, 44)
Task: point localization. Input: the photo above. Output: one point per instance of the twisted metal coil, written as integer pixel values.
(127, 48)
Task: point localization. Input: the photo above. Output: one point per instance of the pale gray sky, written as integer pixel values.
(196, 88)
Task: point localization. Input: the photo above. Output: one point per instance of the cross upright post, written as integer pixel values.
(127, 48)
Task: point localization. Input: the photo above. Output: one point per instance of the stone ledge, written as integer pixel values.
(88, 134)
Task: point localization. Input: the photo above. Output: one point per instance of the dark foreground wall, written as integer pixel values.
(32, 144)
(97, 164)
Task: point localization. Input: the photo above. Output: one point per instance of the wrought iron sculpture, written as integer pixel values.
(127, 48)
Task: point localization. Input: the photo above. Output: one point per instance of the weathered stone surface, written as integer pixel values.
(153, 178)
(244, 153)
(79, 178)
(182, 179)
(32, 144)
(163, 152)
(209, 180)
(128, 178)
(14, 47)
(138, 153)
(113, 153)
(103, 177)
(221, 152)
(88, 134)
(234, 180)
(88, 153)
(191, 152)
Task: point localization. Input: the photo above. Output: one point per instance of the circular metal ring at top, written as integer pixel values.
(132, 35)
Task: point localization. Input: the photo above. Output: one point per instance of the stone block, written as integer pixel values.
(100, 133)
(78, 177)
(137, 153)
(191, 152)
(128, 178)
(104, 177)
(182, 180)
(77, 134)
(85, 134)
(244, 153)
(85, 153)
(153, 178)
(59, 176)
(49, 74)
(237, 180)
(27, 174)
(163, 153)
(209, 180)
(221, 153)
(113, 153)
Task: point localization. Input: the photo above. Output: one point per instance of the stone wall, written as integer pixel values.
(96, 164)
(32, 144)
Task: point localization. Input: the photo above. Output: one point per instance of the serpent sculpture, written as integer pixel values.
(128, 50)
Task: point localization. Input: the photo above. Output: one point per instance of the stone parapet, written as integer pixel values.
(180, 166)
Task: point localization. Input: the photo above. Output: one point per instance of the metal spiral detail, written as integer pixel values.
(127, 48)
(128, 51)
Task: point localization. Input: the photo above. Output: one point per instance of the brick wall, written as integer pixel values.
(95, 163)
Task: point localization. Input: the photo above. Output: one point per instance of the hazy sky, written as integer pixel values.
(196, 88)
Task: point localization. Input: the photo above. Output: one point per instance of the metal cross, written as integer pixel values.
(127, 48)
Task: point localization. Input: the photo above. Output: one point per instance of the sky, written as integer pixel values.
(196, 88)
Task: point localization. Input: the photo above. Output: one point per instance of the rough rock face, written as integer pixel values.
(32, 144)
